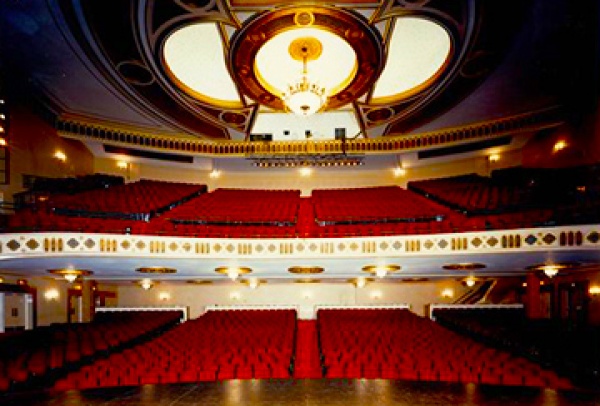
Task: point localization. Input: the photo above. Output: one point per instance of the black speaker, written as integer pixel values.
(340, 133)
(261, 137)
(307, 134)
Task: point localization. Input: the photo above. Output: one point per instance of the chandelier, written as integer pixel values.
(304, 96)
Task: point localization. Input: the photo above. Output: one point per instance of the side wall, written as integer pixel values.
(306, 296)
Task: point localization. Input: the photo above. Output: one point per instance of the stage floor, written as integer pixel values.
(346, 392)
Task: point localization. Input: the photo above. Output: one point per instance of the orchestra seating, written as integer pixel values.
(45, 352)
(219, 345)
(568, 348)
(397, 344)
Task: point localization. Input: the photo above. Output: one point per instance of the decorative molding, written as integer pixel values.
(86, 130)
(28, 245)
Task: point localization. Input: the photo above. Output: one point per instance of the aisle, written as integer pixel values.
(307, 363)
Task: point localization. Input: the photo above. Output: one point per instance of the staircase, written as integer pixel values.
(307, 363)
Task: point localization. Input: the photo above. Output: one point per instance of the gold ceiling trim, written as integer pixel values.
(199, 282)
(387, 268)
(307, 280)
(85, 129)
(305, 270)
(464, 266)
(225, 270)
(345, 24)
(69, 271)
(156, 270)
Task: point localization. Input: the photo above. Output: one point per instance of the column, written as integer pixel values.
(532, 297)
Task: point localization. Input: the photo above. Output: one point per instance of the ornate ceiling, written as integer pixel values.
(210, 68)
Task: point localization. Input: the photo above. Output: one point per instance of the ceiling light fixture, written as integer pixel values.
(233, 272)
(470, 282)
(552, 269)
(381, 270)
(146, 284)
(70, 274)
(305, 96)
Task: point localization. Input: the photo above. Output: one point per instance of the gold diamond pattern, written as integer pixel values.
(32, 244)
(492, 242)
(341, 247)
(313, 247)
(218, 247)
(272, 248)
(72, 243)
(476, 242)
(140, 245)
(428, 244)
(89, 243)
(173, 246)
(397, 245)
(259, 248)
(187, 247)
(125, 244)
(13, 245)
(549, 238)
(300, 247)
(230, 248)
(354, 246)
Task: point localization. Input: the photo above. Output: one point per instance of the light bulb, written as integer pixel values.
(70, 277)
(146, 284)
(470, 282)
(253, 283)
(550, 271)
(361, 282)
(233, 273)
(381, 272)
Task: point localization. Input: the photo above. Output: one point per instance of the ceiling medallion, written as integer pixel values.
(233, 272)
(381, 270)
(156, 269)
(283, 59)
(306, 269)
(552, 269)
(464, 266)
(70, 274)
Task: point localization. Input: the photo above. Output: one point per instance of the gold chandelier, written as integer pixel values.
(305, 96)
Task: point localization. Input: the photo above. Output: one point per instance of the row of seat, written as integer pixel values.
(37, 353)
(410, 347)
(218, 345)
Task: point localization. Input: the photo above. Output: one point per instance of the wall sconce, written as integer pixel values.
(376, 295)
(594, 290)
(61, 156)
(164, 296)
(214, 174)
(448, 293)
(494, 158)
(559, 146)
(399, 171)
(51, 294)
(305, 172)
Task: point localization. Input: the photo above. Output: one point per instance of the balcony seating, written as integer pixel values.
(136, 200)
(396, 344)
(239, 206)
(219, 345)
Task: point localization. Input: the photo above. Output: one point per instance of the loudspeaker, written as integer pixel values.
(340, 133)
(261, 137)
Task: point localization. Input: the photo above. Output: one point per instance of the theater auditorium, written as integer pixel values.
(264, 202)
